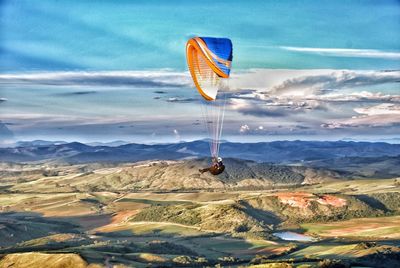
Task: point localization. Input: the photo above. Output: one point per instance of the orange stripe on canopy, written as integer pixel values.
(201, 62)
(190, 48)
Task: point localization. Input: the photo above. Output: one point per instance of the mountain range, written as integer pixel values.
(279, 152)
(347, 159)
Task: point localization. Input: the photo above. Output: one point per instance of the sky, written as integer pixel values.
(112, 70)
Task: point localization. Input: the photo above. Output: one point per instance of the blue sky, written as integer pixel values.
(315, 69)
(135, 35)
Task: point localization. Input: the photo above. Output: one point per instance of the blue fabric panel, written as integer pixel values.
(222, 47)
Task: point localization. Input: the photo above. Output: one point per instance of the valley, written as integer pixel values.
(134, 215)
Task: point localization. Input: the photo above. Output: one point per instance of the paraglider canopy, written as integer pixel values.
(209, 59)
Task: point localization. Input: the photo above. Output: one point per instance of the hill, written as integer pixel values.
(33, 259)
(361, 167)
(160, 176)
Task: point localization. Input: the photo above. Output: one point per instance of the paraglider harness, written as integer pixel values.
(216, 168)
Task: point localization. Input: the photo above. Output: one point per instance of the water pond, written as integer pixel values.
(292, 236)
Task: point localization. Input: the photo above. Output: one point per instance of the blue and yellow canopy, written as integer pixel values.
(209, 59)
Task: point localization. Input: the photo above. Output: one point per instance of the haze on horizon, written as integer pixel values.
(106, 71)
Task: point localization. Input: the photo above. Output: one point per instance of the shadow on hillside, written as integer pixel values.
(266, 217)
(373, 202)
(18, 227)
(86, 223)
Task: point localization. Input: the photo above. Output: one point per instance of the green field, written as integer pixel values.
(373, 228)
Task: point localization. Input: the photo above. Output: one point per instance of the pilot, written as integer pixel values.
(216, 168)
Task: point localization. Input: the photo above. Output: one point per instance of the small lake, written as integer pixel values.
(292, 236)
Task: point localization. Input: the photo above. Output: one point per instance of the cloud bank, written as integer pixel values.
(334, 81)
(153, 79)
(346, 52)
(381, 115)
(300, 92)
(259, 102)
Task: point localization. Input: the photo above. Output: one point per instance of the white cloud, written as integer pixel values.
(266, 105)
(177, 135)
(324, 83)
(365, 121)
(385, 114)
(36, 118)
(362, 96)
(181, 100)
(381, 109)
(154, 79)
(265, 79)
(346, 52)
(244, 129)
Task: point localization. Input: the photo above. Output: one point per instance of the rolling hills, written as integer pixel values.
(157, 176)
(124, 205)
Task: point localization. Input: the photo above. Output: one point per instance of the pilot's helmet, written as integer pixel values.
(219, 159)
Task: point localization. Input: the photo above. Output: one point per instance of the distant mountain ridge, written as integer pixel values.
(279, 152)
(361, 167)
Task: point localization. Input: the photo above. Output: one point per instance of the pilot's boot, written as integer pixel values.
(203, 170)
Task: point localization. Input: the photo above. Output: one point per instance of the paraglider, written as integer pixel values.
(209, 60)
(216, 168)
